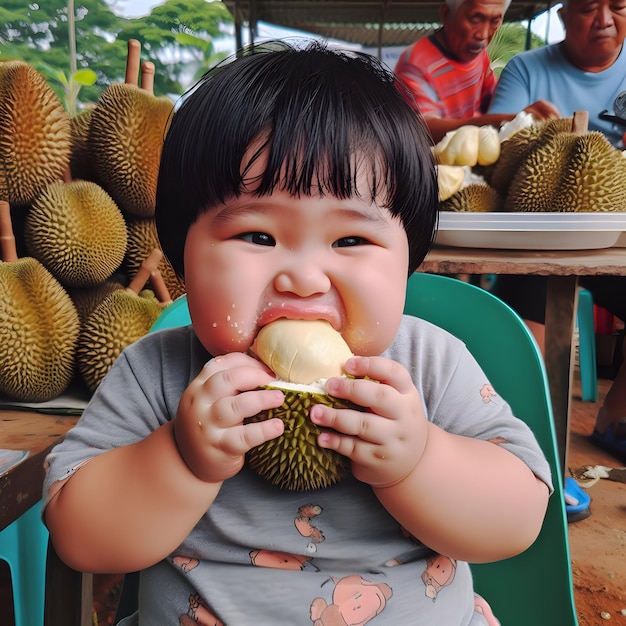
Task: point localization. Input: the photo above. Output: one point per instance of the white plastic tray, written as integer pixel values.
(532, 231)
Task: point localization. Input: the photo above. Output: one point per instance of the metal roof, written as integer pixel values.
(368, 22)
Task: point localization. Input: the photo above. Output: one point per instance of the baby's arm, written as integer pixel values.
(131, 506)
(466, 498)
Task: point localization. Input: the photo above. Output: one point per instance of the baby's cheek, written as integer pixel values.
(224, 337)
(373, 337)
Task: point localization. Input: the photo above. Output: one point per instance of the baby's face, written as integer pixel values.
(255, 260)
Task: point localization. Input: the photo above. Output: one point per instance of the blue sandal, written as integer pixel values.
(611, 442)
(576, 501)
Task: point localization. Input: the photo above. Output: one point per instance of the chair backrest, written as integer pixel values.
(536, 586)
(176, 314)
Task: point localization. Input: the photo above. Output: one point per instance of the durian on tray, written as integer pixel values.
(552, 185)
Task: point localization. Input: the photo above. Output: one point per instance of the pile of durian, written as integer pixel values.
(551, 166)
(81, 274)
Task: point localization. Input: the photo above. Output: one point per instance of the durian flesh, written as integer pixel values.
(303, 351)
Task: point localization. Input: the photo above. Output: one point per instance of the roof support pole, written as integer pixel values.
(238, 27)
(252, 21)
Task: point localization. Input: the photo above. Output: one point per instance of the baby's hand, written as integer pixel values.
(385, 442)
(209, 429)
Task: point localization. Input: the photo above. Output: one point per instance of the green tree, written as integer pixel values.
(39, 35)
(178, 36)
(509, 41)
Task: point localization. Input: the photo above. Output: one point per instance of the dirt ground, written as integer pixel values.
(598, 543)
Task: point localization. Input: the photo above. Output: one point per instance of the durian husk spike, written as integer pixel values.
(7, 238)
(133, 61)
(147, 76)
(580, 122)
(67, 175)
(159, 287)
(144, 272)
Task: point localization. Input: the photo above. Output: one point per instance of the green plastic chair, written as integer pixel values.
(176, 314)
(536, 586)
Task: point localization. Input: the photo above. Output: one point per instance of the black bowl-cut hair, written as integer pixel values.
(319, 116)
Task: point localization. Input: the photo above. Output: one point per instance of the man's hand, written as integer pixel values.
(542, 110)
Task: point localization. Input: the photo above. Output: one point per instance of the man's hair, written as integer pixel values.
(453, 5)
(321, 117)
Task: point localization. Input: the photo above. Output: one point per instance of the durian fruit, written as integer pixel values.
(594, 178)
(121, 318)
(126, 136)
(143, 238)
(576, 171)
(476, 198)
(77, 231)
(81, 163)
(86, 299)
(39, 326)
(537, 182)
(302, 354)
(34, 133)
(449, 180)
(514, 150)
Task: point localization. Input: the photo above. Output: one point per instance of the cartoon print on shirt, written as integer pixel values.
(487, 392)
(185, 563)
(498, 440)
(280, 560)
(482, 607)
(355, 602)
(439, 573)
(304, 526)
(199, 613)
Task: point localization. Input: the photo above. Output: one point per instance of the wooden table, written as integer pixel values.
(68, 593)
(20, 487)
(562, 269)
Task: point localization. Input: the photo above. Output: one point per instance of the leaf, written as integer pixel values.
(85, 77)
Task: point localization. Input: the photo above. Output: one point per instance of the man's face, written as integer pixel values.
(594, 32)
(471, 27)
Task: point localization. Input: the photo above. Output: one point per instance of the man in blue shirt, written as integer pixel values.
(586, 71)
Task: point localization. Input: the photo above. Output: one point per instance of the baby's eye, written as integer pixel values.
(346, 242)
(259, 239)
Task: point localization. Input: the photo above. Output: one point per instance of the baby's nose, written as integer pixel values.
(303, 280)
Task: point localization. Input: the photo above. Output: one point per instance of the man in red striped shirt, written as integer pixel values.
(450, 74)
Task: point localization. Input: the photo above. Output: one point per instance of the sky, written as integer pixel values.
(549, 21)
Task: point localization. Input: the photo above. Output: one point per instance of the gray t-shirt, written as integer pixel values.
(269, 557)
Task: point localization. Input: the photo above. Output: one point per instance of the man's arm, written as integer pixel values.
(438, 127)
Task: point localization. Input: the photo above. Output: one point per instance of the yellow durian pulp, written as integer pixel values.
(300, 353)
